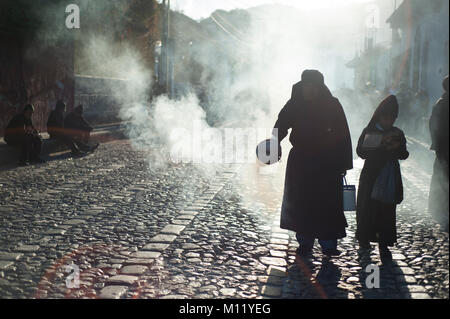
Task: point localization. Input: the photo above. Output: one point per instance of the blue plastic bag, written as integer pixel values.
(384, 189)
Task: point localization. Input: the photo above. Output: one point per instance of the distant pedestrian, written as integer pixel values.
(321, 155)
(439, 129)
(381, 145)
(21, 133)
(405, 98)
(57, 131)
(77, 127)
(420, 113)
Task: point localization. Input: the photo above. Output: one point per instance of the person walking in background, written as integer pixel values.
(439, 130)
(21, 133)
(321, 155)
(381, 145)
(420, 112)
(405, 97)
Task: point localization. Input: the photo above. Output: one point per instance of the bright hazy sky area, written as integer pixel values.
(198, 9)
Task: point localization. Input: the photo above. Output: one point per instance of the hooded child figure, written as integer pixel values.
(380, 185)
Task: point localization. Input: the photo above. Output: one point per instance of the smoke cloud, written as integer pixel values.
(244, 64)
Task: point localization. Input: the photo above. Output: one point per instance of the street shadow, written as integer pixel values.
(389, 273)
(49, 158)
(323, 285)
(328, 279)
(300, 278)
(365, 261)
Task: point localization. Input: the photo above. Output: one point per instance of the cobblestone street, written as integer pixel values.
(184, 232)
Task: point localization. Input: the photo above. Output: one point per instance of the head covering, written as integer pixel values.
(28, 107)
(60, 105)
(79, 109)
(445, 84)
(313, 77)
(388, 107)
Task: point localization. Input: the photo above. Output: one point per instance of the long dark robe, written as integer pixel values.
(439, 190)
(75, 121)
(376, 221)
(55, 124)
(322, 151)
(15, 130)
(16, 135)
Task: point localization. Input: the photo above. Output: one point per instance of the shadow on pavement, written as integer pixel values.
(323, 285)
(51, 158)
(378, 281)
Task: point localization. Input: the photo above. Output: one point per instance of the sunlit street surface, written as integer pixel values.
(182, 233)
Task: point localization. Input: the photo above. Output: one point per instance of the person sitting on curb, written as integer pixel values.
(77, 127)
(21, 133)
(56, 130)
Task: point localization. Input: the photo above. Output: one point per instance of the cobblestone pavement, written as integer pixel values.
(182, 232)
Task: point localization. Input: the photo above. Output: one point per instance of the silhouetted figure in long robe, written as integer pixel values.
(76, 126)
(56, 130)
(376, 216)
(439, 129)
(321, 155)
(21, 133)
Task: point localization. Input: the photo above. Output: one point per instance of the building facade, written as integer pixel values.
(420, 45)
(34, 68)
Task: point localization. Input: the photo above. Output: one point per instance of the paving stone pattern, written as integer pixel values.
(180, 231)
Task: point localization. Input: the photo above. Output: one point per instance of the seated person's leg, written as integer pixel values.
(36, 148)
(53, 134)
(18, 142)
(85, 137)
(83, 146)
(68, 141)
(26, 149)
(77, 136)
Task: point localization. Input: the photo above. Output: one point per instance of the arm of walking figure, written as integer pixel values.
(401, 151)
(284, 123)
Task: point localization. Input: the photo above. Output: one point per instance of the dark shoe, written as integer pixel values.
(38, 160)
(304, 252)
(78, 153)
(93, 148)
(331, 252)
(385, 253)
(364, 246)
(23, 163)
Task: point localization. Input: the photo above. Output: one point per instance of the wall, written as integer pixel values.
(39, 76)
(434, 57)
